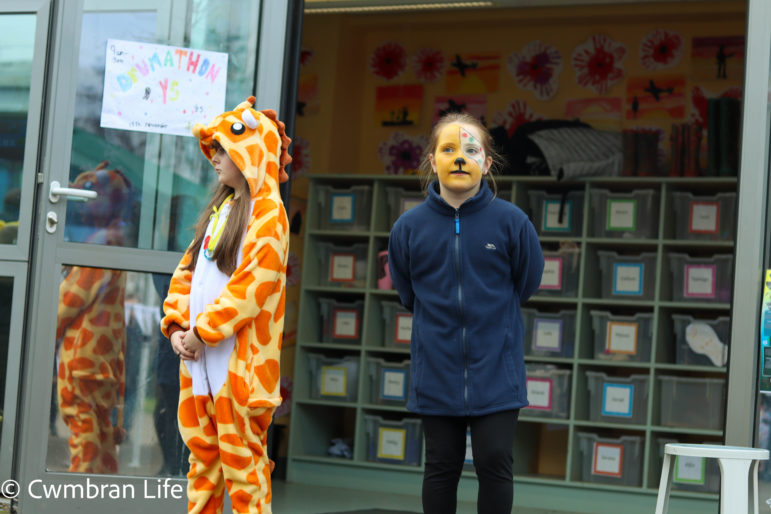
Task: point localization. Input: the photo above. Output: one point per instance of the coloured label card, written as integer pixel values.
(700, 280)
(547, 334)
(689, 470)
(393, 386)
(608, 459)
(341, 208)
(617, 400)
(342, 267)
(704, 218)
(162, 89)
(409, 203)
(334, 380)
(539, 393)
(622, 215)
(621, 338)
(551, 216)
(346, 324)
(552, 273)
(403, 329)
(391, 443)
(628, 278)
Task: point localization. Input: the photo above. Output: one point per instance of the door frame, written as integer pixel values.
(50, 251)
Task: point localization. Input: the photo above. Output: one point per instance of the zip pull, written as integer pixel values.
(457, 223)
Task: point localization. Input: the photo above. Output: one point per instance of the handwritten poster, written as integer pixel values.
(162, 89)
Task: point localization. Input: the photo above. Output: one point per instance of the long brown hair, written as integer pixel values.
(427, 172)
(226, 251)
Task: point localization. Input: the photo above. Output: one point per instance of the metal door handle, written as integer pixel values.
(81, 195)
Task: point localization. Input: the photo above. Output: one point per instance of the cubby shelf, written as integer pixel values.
(315, 422)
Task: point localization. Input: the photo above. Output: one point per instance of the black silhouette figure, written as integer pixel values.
(398, 118)
(656, 91)
(635, 106)
(722, 57)
(452, 106)
(462, 66)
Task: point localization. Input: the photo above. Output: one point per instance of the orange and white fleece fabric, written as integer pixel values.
(90, 364)
(227, 396)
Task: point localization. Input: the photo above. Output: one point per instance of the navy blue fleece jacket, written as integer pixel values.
(464, 273)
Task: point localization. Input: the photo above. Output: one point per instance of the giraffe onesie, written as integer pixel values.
(227, 396)
(91, 330)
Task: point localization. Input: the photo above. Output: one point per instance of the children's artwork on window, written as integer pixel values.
(473, 73)
(286, 395)
(428, 64)
(388, 60)
(661, 49)
(537, 68)
(655, 96)
(308, 95)
(400, 153)
(599, 63)
(306, 55)
(301, 157)
(293, 269)
(602, 113)
(515, 114)
(475, 105)
(699, 102)
(398, 106)
(718, 57)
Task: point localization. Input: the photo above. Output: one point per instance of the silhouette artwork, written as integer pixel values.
(398, 118)
(656, 91)
(462, 66)
(452, 106)
(722, 57)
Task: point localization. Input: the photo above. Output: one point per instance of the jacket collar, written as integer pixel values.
(483, 197)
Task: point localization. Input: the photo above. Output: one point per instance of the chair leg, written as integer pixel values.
(734, 475)
(662, 502)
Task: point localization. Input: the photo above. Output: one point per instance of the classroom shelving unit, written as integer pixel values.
(549, 463)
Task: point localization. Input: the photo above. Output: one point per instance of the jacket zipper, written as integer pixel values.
(460, 306)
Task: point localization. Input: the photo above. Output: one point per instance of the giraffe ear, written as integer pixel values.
(249, 120)
(199, 131)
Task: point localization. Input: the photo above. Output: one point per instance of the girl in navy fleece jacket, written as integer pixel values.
(463, 261)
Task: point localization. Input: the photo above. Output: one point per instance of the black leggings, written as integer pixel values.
(492, 443)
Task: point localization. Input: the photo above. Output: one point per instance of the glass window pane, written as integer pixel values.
(151, 187)
(17, 40)
(6, 298)
(116, 382)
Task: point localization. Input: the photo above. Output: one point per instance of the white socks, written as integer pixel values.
(703, 340)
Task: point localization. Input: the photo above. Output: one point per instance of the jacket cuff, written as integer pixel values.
(174, 327)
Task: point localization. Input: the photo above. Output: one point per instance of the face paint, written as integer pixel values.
(459, 159)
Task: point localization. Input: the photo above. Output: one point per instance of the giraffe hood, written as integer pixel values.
(256, 141)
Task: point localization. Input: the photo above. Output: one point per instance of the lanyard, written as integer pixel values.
(211, 241)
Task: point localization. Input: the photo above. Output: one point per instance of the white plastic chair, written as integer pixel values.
(738, 475)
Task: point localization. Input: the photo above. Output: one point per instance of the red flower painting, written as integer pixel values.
(516, 114)
(388, 60)
(598, 63)
(537, 68)
(305, 56)
(400, 153)
(661, 49)
(428, 64)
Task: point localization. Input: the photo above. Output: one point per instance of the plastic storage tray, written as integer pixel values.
(396, 442)
(549, 334)
(701, 279)
(630, 277)
(397, 325)
(548, 391)
(333, 378)
(344, 209)
(692, 402)
(389, 381)
(697, 474)
(684, 354)
(558, 214)
(611, 461)
(341, 322)
(622, 338)
(704, 217)
(617, 399)
(400, 201)
(560, 274)
(342, 265)
(632, 215)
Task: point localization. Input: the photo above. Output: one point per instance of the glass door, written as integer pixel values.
(122, 183)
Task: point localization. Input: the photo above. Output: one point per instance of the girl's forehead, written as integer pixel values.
(462, 132)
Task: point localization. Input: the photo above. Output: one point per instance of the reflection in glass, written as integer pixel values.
(116, 382)
(170, 181)
(6, 296)
(17, 38)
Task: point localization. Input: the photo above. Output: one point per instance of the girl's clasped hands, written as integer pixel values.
(187, 345)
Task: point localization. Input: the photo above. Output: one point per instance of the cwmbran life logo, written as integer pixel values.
(89, 490)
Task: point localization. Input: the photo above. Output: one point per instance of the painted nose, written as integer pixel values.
(460, 161)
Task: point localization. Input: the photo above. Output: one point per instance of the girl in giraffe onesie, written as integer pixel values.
(224, 313)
